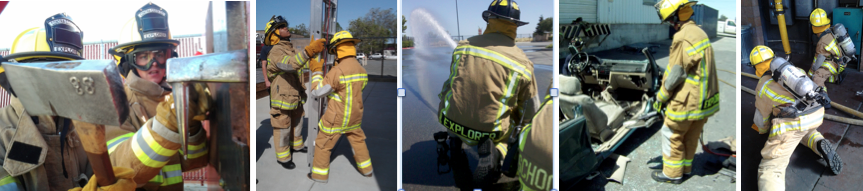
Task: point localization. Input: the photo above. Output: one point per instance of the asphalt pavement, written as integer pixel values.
(644, 145)
(423, 73)
(379, 125)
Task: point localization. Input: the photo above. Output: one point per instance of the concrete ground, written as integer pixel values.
(379, 125)
(644, 145)
(806, 170)
(423, 73)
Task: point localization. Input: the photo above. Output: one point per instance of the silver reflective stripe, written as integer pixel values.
(493, 56)
(510, 88)
(139, 138)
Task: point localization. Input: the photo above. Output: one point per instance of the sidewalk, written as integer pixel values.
(379, 125)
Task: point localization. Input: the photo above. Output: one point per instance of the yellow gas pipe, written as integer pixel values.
(780, 16)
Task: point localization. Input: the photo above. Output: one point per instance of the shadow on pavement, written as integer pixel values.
(263, 134)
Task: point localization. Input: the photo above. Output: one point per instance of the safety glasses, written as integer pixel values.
(144, 60)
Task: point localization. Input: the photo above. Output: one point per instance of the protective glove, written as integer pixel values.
(315, 65)
(199, 104)
(658, 105)
(315, 47)
(124, 181)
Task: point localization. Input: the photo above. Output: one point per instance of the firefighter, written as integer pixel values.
(343, 85)
(287, 89)
(63, 163)
(784, 131)
(144, 46)
(829, 61)
(535, 149)
(490, 90)
(689, 93)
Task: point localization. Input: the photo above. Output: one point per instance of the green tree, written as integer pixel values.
(300, 30)
(404, 27)
(723, 18)
(370, 28)
(544, 26)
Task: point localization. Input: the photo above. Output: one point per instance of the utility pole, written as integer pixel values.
(456, 20)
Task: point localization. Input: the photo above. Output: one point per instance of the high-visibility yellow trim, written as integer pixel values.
(283, 154)
(321, 171)
(698, 48)
(9, 183)
(283, 105)
(148, 151)
(765, 89)
(169, 175)
(112, 144)
(196, 151)
(495, 57)
(805, 122)
(812, 137)
(331, 130)
(672, 163)
(687, 162)
(508, 91)
(297, 143)
(365, 164)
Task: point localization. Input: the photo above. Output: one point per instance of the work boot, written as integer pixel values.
(488, 165)
(829, 154)
(461, 173)
(288, 165)
(302, 150)
(660, 177)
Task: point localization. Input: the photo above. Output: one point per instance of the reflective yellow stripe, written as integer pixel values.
(297, 143)
(672, 163)
(284, 154)
(811, 142)
(697, 114)
(508, 91)
(493, 56)
(321, 171)
(365, 164)
(9, 183)
(502, 148)
(522, 137)
(698, 48)
(196, 151)
(170, 174)
(284, 59)
(804, 123)
(349, 99)
(347, 80)
(283, 105)
(112, 144)
(353, 78)
(773, 95)
(832, 47)
(663, 95)
(331, 130)
(687, 162)
(335, 96)
(148, 151)
(157, 179)
(830, 67)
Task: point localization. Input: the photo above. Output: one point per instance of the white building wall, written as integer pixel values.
(626, 12)
(572, 9)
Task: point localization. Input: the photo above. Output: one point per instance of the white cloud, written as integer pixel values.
(100, 20)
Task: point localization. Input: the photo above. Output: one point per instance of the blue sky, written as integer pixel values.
(297, 11)
(470, 14)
